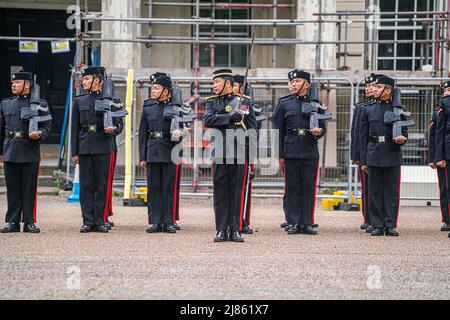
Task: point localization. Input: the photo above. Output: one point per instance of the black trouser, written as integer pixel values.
(96, 173)
(110, 200)
(158, 192)
(384, 196)
(229, 193)
(364, 177)
(287, 218)
(301, 183)
(174, 190)
(21, 186)
(444, 192)
(248, 205)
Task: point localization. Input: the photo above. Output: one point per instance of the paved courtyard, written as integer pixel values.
(341, 262)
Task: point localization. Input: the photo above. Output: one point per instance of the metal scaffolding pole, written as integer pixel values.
(223, 5)
(226, 22)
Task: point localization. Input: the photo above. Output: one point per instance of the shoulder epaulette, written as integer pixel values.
(8, 98)
(149, 102)
(211, 97)
(286, 98)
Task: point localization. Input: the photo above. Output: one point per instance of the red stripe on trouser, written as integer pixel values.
(36, 194)
(315, 193)
(109, 187)
(398, 208)
(361, 177)
(112, 186)
(241, 208)
(174, 209)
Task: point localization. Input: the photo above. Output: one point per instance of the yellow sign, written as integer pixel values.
(60, 46)
(28, 46)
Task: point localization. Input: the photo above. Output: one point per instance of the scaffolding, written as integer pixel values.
(435, 21)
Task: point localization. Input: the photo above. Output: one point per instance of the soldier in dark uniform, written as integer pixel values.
(442, 179)
(93, 150)
(239, 91)
(442, 151)
(20, 154)
(381, 158)
(230, 161)
(109, 224)
(299, 153)
(355, 149)
(155, 150)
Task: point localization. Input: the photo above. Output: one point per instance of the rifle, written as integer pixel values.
(312, 107)
(106, 103)
(238, 108)
(241, 123)
(180, 113)
(394, 117)
(31, 113)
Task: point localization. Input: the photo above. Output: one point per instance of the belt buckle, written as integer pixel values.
(92, 128)
(301, 132)
(382, 139)
(17, 134)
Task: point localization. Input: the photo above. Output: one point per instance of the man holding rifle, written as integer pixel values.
(383, 130)
(94, 126)
(24, 121)
(301, 123)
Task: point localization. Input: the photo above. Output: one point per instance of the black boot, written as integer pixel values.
(11, 227)
(364, 226)
(87, 229)
(294, 229)
(236, 236)
(445, 227)
(177, 226)
(392, 232)
(109, 224)
(102, 229)
(221, 236)
(30, 228)
(154, 228)
(247, 230)
(288, 226)
(309, 230)
(284, 225)
(169, 228)
(377, 232)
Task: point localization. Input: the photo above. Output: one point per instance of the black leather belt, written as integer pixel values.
(89, 128)
(157, 135)
(298, 132)
(16, 134)
(381, 139)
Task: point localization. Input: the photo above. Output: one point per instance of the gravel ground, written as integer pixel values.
(341, 262)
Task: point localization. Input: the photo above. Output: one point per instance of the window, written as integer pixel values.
(404, 56)
(223, 55)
